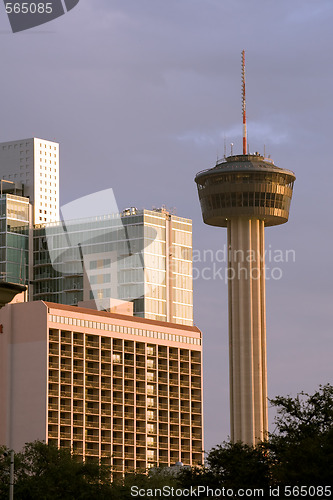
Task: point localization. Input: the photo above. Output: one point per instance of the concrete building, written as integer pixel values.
(34, 163)
(113, 387)
(245, 193)
(140, 255)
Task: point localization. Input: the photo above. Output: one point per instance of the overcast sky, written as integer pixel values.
(140, 94)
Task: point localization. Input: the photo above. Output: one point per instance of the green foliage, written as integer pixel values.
(232, 466)
(298, 453)
(306, 415)
(302, 444)
(238, 465)
(4, 472)
(42, 471)
(155, 479)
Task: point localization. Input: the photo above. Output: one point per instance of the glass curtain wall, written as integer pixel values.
(144, 257)
(14, 239)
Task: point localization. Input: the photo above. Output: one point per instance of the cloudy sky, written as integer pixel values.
(141, 93)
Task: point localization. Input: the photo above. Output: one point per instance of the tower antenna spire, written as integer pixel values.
(244, 105)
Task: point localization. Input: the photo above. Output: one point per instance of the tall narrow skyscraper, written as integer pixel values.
(245, 193)
(34, 164)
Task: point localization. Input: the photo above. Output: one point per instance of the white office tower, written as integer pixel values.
(34, 163)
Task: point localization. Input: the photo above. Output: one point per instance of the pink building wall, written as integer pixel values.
(23, 373)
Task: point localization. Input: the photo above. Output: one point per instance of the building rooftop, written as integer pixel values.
(8, 291)
(244, 163)
(123, 317)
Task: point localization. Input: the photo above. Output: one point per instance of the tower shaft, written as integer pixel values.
(247, 330)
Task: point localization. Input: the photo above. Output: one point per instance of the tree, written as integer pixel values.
(144, 485)
(298, 453)
(238, 465)
(231, 466)
(301, 447)
(42, 471)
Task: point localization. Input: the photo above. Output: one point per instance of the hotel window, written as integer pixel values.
(116, 358)
(150, 415)
(150, 402)
(150, 351)
(150, 363)
(151, 429)
(150, 389)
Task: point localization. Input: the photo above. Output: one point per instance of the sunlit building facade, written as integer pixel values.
(34, 163)
(144, 256)
(118, 388)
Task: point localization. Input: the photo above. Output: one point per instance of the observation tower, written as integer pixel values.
(245, 193)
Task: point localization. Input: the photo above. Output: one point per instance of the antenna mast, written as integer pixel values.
(244, 105)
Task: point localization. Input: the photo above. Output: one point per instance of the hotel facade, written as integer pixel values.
(118, 388)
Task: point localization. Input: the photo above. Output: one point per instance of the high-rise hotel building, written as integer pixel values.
(34, 164)
(114, 387)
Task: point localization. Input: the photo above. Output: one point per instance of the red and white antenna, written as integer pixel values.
(244, 105)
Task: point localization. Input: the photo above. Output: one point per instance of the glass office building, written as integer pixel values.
(14, 238)
(143, 256)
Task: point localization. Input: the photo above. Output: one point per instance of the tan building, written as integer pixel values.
(245, 193)
(124, 389)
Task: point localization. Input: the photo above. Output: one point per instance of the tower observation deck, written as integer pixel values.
(245, 186)
(245, 193)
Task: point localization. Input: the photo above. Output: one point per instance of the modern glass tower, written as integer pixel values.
(245, 193)
(143, 256)
(14, 238)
